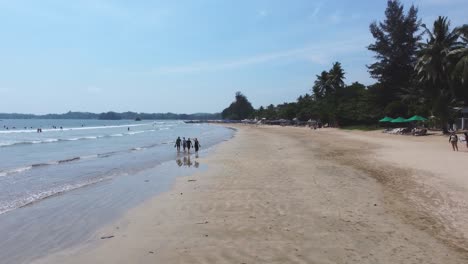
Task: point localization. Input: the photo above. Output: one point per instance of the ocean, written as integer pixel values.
(60, 185)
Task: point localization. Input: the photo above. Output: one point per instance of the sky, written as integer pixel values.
(183, 56)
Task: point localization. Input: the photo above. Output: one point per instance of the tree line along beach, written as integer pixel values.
(352, 171)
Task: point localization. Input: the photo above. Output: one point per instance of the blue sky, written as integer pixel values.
(182, 56)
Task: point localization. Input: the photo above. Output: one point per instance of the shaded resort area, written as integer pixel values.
(413, 125)
(418, 125)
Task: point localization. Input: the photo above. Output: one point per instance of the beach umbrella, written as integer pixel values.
(399, 120)
(386, 119)
(417, 118)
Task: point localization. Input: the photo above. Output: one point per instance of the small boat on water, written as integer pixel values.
(138, 119)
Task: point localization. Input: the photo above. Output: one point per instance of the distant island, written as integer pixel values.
(114, 116)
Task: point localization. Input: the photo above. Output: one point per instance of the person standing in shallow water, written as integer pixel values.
(184, 144)
(189, 144)
(177, 144)
(196, 144)
(453, 139)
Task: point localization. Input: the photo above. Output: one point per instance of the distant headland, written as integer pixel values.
(113, 116)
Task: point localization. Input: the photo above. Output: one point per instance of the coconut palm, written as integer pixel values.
(336, 77)
(328, 83)
(459, 56)
(459, 66)
(321, 85)
(434, 65)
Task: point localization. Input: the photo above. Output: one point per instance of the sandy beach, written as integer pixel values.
(295, 195)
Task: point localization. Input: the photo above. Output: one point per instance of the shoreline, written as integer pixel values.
(69, 220)
(282, 195)
(59, 221)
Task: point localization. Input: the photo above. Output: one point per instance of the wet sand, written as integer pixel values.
(293, 195)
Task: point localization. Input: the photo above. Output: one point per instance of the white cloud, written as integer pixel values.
(321, 53)
(322, 59)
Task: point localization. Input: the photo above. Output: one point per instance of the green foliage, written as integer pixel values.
(396, 109)
(287, 111)
(356, 106)
(336, 103)
(240, 109)
(307, 108)
(414, 78)
(109, 116)
(326, 90)
(440, 68)
(321, 86)
(459, 60)
(328, 83)
(395, 47)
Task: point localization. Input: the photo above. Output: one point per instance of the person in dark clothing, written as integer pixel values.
(189, 144)
(466, 138)
(177, 144)
(196, 145)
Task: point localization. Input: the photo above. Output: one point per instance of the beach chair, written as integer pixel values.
(420, 132)
(405, 131)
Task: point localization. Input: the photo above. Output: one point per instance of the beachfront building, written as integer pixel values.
(462, 122)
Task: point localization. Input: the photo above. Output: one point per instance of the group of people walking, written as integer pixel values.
(187, 144)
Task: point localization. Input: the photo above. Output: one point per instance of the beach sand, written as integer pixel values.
(294, 195)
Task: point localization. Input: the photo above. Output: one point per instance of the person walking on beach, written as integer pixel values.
(189, 144)
(177, 144)
(184, 143)
(454, 140)
(196, 144)
(466, 138)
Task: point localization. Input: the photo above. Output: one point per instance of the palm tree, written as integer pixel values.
(433, 66)
(328, 83)
(336, 77)
(321, 86)
(459, 65)
(459, 55)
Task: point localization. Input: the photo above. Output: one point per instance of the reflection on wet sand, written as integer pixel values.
(186, 162)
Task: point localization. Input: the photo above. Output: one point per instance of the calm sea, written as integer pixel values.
(59, 185)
